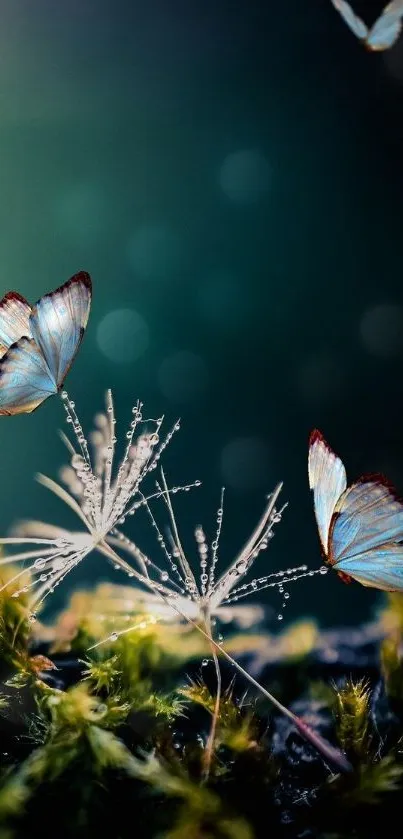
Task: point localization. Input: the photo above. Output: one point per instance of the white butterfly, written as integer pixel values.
(360, 526)
(385, 31)
(38, 344)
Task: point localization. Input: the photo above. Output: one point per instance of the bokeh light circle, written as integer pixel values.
(245, 176)
(381, 330)
(123, 336)
(245, 463)
(155, 252)
(183, 377)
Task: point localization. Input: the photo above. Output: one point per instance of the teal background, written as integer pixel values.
(115, 116)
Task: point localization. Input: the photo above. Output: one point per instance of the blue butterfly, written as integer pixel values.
(38, 344)
(360, 526)
(385, 30)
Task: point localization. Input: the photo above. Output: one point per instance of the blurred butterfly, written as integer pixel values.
(385, 30)
(360, 526)
(38, 344)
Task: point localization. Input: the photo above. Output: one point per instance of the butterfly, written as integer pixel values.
(385, 31)
(360, 526)
(38, 343)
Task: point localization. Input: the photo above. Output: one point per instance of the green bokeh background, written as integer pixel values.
(115, 116)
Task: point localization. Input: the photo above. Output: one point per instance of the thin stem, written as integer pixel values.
(208, 753)
(332, 755)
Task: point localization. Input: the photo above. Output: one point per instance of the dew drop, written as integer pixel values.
(164, 576)
(204, 662)
(39, 563)
(279, 617)
(241, 566)
(113, 636)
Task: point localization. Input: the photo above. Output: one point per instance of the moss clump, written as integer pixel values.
(112, 739)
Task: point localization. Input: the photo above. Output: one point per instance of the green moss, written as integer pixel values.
(352, 713)
(236, 727)
(200, 814)
(124, 746)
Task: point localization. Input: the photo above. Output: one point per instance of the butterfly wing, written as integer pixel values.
(25, 380)
(14, 320)
(364, 534)
(353, 22)
(381, 568)
(387, 28)
(367, 515)
(58, 322)
(327, 479)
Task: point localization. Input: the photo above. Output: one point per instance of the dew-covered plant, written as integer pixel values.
(202, 600)
(100, 492)
(103, 496)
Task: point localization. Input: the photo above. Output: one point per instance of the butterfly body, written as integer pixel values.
(385, 31)
(360, 526)
(38, 344)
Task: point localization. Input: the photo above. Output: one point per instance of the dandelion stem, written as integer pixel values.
(208, 753)
(330, 754)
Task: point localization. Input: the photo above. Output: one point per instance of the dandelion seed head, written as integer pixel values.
(209, 596)
(99, 489)
(104, 491)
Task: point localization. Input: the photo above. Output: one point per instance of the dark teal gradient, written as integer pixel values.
(132, 108)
